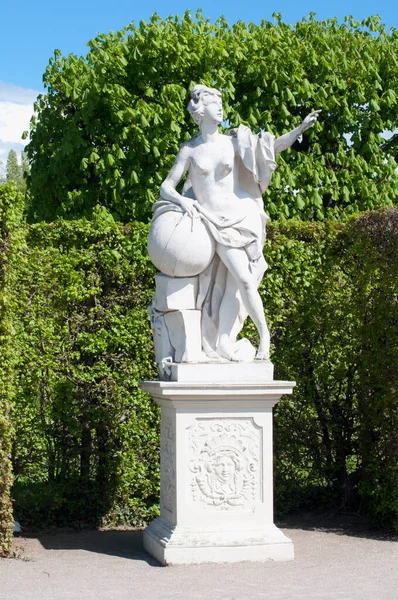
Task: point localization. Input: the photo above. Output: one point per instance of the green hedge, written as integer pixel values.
(86, 446)
(332, 296)
(11, 240)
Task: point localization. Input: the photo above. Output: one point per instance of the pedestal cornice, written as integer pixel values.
(262, 394)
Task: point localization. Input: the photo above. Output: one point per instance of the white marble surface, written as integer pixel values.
(175, 293)
(215, 229)
(254, 372)
(178, 246)
(216, 499)
(183, 327)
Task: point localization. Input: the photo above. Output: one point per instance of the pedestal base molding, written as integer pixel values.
(178, 546)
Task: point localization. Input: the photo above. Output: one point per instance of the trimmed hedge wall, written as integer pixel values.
(332, 294)
(86, 447)
(11, 241)
(86, 444)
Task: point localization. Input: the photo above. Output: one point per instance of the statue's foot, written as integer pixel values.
(212, 357)
(230, 352)
(263, 349)
(264, 356)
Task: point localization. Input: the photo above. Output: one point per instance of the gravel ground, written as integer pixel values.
(336, 557)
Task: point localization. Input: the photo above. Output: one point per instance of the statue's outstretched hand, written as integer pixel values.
(310, 120)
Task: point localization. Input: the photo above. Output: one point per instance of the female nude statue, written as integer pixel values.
(227, 174)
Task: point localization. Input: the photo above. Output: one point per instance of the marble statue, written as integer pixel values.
(207, 241)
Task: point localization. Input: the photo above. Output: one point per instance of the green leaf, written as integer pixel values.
(134, 177)
(94, 157)
(374, 105)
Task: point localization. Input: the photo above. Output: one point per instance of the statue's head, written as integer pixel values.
(224, 463)
(201, 97)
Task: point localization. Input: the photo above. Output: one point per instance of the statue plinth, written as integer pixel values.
(216, 494)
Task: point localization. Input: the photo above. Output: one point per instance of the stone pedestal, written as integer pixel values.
(216, 498)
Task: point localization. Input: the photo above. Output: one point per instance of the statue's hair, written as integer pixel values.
(195, 106)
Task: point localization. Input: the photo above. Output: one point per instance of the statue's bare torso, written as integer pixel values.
(213, 175)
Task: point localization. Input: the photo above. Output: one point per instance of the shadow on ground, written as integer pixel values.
(338, 523)
(122, 543)
(128, 543)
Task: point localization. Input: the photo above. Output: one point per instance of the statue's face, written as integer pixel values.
(224, 469)
(212, 107)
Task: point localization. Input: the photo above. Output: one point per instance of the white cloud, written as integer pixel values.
(14, 120)
(15, 94)
(16, 110)
(5, 147)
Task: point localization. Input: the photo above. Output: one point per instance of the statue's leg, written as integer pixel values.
(228, 315)
(237, 263)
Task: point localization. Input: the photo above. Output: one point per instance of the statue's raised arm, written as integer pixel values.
(285, 141)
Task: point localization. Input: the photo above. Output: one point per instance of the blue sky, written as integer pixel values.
(30, 31)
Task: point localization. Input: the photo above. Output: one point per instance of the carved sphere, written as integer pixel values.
(178, 246)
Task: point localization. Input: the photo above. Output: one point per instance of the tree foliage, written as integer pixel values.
(15, 171)
(111, 123)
